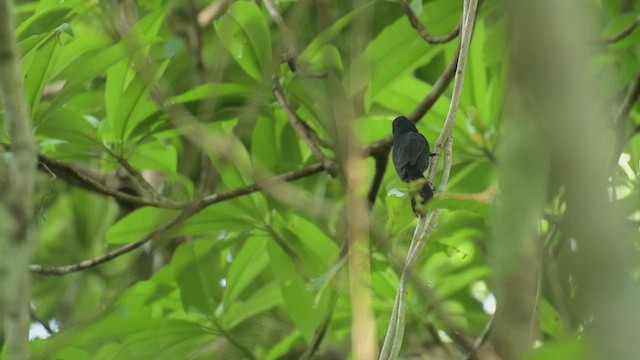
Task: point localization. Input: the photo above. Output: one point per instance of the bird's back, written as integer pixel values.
(410, 155)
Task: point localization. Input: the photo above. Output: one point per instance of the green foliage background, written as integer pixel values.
(253, 276)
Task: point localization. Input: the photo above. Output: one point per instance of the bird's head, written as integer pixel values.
(403, 125)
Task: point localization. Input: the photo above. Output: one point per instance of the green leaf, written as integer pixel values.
(260, 301)
(214, 90)
(155, 155)
(246, 265)
(475, 90)
(283, 347)
(328, 57)
(69, 125)
(395, 52)
(77, 47)
(550, 320)
(135, 104)
(298, 301)
(196, 266)
(244, 32)
(138, 224)
(573, 349)
(98, 63)
(219, 218)
(328, 35)
(478, 207)
(39, 73)
(264, 146)
(44, 21)
(450, 284)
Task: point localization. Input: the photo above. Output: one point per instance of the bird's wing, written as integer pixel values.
(410, 150)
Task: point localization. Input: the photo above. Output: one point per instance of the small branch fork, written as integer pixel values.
(431, 39)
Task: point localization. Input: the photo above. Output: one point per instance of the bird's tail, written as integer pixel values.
(420, 199)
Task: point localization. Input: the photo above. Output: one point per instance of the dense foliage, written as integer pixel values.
(155, 118)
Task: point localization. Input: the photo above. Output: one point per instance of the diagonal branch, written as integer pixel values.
(188, 211)
(305, 131)
(86, 181)
(620, 35)
(431, 39)
(426, 224)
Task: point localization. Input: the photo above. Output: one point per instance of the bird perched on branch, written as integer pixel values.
(411, 159)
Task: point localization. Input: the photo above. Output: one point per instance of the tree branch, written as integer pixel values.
(86, 181)
(189, 210)
(17, 182)
(619, 121)
(481, 339)
(432, 39)
(305, 131)
(395, 330)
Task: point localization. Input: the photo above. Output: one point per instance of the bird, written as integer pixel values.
(411, 155)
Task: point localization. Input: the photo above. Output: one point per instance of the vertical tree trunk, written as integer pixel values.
(17, 173)
(554, 129)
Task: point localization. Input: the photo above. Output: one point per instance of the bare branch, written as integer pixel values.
(139, 178)
(70, 173)
(211, 12)
(189, 210)
(432, 39)
(465, 40)
(620, 118)
(89, 263)
(481, 339)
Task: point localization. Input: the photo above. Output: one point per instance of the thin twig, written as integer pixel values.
(69, 172)
(481, 339)
(622, 34)
(432, 39)
(291, 55)
(321, 330)
(140, 179)
(619, 121)
(212, 12)
(447, 128)
(237, 344)
(186, 213)
(305, 131)
(89, 263)
(395, 330)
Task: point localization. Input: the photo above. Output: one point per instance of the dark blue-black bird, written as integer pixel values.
(411, 159)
